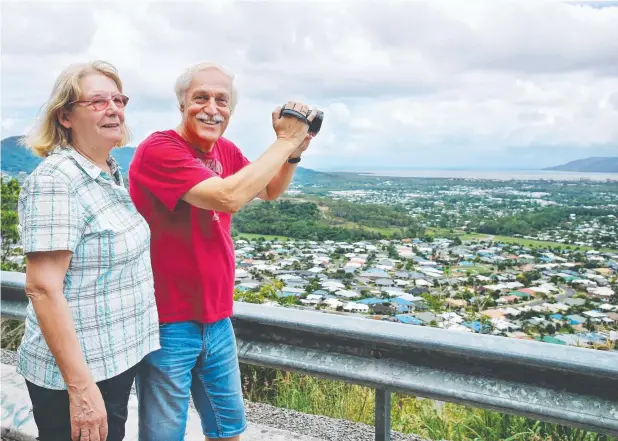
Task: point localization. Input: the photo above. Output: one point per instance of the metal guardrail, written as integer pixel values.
(565, 385)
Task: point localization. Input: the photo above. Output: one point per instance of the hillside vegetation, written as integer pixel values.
(337, 220)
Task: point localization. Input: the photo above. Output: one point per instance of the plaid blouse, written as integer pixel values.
(68, 203)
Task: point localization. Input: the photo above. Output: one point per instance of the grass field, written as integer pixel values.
(353, 226)
(542, 243)
(475, 269)
(385, 231)
(445, 232)
(251, 236)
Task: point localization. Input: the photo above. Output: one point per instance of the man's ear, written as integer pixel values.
(181, 107)
(63, 118)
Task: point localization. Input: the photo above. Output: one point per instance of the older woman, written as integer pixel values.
(92, 314)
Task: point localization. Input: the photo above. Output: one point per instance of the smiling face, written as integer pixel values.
(90, 127)
(207, 108)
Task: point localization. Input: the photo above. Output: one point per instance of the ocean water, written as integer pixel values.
(500, 175)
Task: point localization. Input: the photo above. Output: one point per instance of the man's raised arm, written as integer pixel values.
(232, 193)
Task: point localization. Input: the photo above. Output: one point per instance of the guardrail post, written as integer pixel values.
(383, 415)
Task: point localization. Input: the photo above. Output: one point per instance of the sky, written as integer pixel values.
(492, 84)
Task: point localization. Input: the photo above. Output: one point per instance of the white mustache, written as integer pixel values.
(216, 119)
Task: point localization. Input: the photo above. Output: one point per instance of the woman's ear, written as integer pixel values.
(63, 118)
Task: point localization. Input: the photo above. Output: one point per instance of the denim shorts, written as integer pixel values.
(195, 359)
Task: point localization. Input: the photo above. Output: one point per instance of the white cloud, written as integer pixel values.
(7, 123)
(440, 83)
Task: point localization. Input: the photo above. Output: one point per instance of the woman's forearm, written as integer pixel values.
(56, 323)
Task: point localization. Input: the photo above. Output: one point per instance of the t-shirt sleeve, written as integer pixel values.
(240, 161)
(168, 170)
(50, 215)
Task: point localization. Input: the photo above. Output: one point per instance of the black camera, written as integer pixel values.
(314, 126)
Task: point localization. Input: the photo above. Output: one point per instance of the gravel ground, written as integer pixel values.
(321, 427)
(8, 357)
(328, 429)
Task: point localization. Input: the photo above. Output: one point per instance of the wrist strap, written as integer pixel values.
(294, 160)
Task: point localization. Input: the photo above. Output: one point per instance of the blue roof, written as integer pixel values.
(408, 319)
(583, 338)
(573, 273)
(287, 294)
(400, 301)
(575, 320)
(370, 301)
(465, 263)
(556, 316)
(376, 271)
(475, 326)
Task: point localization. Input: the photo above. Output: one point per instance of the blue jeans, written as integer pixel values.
(197, 359)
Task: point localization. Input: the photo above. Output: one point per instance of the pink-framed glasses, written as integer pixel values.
(101, 102)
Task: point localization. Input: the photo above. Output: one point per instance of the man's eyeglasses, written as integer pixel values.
(101, 103)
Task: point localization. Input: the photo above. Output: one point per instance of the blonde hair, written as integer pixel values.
(48, 132)
(184, 80)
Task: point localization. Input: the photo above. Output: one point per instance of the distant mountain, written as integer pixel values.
(590, 165)
(16, 158)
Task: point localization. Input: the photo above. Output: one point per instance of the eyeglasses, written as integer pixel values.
(101, 103)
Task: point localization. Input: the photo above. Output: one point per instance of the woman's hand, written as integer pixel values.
(88, 414)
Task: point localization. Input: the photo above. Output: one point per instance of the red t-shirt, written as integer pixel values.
(192, 251)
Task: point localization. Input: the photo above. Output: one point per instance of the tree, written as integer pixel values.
(313, 285)
(10, 222)
(287, 301)
(486, 324)
(433, 302)
(248, 296)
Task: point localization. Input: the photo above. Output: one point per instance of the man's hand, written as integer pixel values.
(289, 128)
(88, 414)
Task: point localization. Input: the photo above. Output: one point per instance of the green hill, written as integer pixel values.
(16, 158)
(590, 165)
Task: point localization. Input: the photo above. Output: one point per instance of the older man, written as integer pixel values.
(187, 183)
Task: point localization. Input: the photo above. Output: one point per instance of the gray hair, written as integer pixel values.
(184, 80)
